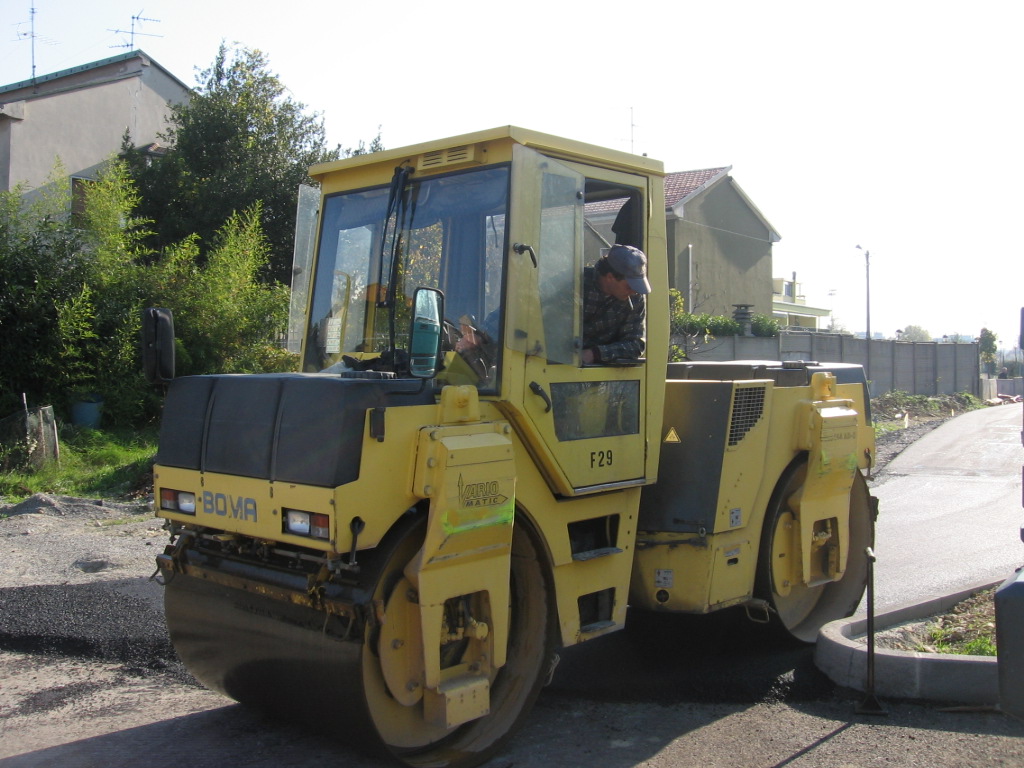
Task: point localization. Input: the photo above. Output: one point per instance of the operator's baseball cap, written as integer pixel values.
(631, 263)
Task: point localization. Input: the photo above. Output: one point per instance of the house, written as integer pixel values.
(719, 243)
(791, 309)
(80, 116)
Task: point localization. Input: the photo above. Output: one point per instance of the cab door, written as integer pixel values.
(587, 423)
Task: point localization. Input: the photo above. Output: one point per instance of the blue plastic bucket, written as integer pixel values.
(87, 413)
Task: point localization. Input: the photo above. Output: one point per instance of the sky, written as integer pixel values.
(892, 125)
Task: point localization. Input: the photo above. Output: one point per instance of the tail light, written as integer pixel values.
(178, 501)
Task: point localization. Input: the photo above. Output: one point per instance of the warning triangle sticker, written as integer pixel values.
(672, 436)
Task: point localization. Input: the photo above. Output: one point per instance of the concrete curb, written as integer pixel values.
(936, 677)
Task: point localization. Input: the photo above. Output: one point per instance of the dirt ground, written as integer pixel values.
(88, 678)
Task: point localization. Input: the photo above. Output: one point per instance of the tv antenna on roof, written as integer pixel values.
(139, 18)
(32, 37)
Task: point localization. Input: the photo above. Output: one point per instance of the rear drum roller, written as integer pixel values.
(804, 610)
(302, 665)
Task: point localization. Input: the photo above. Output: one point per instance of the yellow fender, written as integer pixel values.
(822, 503)
(467, 472)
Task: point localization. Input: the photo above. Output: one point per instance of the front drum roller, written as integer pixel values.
(304, 665)
(803, 610)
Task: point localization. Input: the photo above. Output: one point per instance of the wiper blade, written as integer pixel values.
(391, 247)
(391, 242)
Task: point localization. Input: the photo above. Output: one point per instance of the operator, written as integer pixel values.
(615, 306)
(476, 347)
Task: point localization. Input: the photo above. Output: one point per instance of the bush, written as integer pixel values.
(41, 268)
(74, 291)
(765, 325)
(226, 320)
(705, 327)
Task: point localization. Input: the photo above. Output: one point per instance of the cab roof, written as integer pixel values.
(542, 142)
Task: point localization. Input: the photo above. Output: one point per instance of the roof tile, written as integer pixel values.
(682, 183)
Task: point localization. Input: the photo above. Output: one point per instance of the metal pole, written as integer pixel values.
(870, 705)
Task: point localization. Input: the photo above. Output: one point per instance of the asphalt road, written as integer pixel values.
(950, 509)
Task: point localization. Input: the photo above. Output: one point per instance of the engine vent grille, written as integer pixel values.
(447, 157)
(747, 409)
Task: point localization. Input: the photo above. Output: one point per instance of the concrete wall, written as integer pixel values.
(920, 368)
(991, 388)
(731, 254)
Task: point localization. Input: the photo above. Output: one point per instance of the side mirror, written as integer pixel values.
(157, 345)
(425, 333)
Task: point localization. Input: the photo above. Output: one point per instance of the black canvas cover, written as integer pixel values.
(297, 428)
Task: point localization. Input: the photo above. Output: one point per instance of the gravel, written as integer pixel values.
(85, 539)
(74, 582)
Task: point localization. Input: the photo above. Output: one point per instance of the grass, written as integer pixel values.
(969, 628)
(884, 427)
(110, 464)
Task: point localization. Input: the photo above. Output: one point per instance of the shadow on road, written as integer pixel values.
(671, 659)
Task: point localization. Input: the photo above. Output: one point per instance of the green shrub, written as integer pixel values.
(764, 325)
(720, 326)
(41, 267)
(74, 289)
(705, 327)
(225, 319)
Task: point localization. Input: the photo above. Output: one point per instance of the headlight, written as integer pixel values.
(310, 524)
(297, 522)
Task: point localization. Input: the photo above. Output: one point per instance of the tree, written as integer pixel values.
(987, 345)
(915, 333)
(238, 142)
(987, 350)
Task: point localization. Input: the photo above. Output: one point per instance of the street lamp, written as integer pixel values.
(867, 331)
(867, 286)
